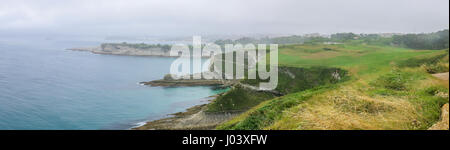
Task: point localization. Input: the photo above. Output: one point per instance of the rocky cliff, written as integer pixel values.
(129, 49)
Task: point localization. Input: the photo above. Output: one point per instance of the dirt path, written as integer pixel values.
(442, 76)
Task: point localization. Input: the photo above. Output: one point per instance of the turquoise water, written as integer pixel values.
(43, 86)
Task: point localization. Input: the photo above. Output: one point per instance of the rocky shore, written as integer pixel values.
(170, 83)
(194, 118)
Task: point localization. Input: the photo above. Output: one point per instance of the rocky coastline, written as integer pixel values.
(194, 118)
(172, 83)
(129, 49)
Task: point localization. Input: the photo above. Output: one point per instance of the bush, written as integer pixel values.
(393, 81)
(238, 99)
(434, 90)
(435, 68)
(168, 77)
(417, 62)
(291, 79)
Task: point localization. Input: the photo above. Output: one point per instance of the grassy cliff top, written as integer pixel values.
(382, 92)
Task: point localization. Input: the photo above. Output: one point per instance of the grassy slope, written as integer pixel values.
(369, 100)
(238, 99)
(241, 99)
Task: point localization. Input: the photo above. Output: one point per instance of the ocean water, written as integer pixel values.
(44, 86)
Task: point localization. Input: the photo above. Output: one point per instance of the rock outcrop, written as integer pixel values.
(195, 118)
(129, 49)
(171, 83)
(443, 124)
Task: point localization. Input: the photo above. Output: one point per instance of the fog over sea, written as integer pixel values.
(44, 86)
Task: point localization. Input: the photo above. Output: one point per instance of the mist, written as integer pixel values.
(231, 17)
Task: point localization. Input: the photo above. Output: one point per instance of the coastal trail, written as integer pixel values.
(442, 76)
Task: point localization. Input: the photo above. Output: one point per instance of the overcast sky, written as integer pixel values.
(206, 17)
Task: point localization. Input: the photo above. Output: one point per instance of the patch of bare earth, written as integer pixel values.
(442, 76)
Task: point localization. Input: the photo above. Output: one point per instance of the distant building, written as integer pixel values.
(312, 35)
(387, 35)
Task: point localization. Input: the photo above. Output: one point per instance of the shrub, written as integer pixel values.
(435, 68)
(393, 81)
(416, 62)
(238, 99)
(168, 77)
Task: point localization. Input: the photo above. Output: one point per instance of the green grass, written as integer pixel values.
(381, 93)
(264, 115)
(429, 105)
(370, 58)
(238, 99)
(293, 79)
(409, 84)
(417, 62)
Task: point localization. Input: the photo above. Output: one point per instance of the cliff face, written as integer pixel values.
(129, 49)
(125, 49)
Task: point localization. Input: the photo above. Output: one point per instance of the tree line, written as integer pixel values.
(435, 40)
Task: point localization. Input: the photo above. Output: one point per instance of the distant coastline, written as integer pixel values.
(186, 119)
(129, 49)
